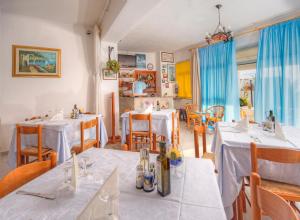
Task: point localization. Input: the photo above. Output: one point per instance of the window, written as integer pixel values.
(183, 78)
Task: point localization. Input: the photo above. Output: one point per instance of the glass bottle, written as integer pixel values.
(163, 171)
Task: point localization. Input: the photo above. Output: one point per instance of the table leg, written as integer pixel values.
(154, 142)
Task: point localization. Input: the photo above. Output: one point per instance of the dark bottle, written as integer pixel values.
(157, 106)
(163, 171)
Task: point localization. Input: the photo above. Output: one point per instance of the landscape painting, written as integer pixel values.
(36, 61)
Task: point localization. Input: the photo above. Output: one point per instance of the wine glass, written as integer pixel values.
(110, 206)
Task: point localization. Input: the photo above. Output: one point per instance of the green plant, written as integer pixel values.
(243, 101)
(113, 65)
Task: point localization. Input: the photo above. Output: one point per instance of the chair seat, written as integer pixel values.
(87, 144)
(287, 191)
(33, 151)
(210, 156)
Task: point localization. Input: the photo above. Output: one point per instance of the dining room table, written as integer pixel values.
(194, 193)
(161, 124)
(231, 146)
(60, 135)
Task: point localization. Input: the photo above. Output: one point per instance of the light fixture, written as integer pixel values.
(221, 33)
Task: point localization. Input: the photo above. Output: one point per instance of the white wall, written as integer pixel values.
(25, 97)
(182, 55)
(107, 87)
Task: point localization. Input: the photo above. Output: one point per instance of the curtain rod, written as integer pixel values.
(253, 29)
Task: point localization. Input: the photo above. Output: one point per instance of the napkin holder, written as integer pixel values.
(75, 172)
(100, 207)
(58, 116)
(279, 132)
(243, 125)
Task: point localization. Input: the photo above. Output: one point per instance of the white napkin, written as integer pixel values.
(58, 116)
(99, 206)
(279, 132)
(243, 124)
(75, 172)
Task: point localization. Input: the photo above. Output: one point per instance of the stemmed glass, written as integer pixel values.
(109, 199)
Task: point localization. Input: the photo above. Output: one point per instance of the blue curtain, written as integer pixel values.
(277, 84)
(219, 78)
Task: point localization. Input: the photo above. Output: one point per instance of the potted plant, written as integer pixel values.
(113, 65)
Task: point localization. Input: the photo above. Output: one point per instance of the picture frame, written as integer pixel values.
(109, 75)
(141, 61)
(171, 73)
(167, 57)
(32, 61)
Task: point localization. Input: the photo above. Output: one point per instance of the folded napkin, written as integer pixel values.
(58, 116)
(279, 132)
(243, 125)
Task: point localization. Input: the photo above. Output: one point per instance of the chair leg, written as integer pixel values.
(234, 210)
(240, 206)
(243, 195)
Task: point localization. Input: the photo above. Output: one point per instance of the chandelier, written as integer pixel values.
(221, 33)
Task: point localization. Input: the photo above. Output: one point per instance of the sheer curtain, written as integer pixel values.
(196, 78)
(219, 78)
(277, 84)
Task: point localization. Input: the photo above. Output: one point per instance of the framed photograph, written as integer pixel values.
(28, 61)
(167, 57)
(109, 75)
(171, 72)
(141, 61)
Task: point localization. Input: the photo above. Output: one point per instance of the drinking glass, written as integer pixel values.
(110, 206)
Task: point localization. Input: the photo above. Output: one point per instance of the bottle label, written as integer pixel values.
(158, 175)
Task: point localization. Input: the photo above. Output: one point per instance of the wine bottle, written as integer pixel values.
(163, 171)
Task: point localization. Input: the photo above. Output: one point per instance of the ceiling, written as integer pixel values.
(76, 12)
(176, 24)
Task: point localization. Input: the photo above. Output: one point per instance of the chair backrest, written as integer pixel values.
(175, 127)
(190, 108)
(279, 155)
(25, 130)
(88, 125)
(216, 111)
(264, 201)
(199, 129)
(23, 174)
(140, 117)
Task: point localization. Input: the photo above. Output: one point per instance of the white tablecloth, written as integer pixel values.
(233, 160)
(161, 124)
(59, 135)
(194, 196)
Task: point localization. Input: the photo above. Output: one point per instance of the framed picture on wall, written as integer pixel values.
(29, 61)
(109, 75)
(141, 61)
(171, 72)
(167, 57)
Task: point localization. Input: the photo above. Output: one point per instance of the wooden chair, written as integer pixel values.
(201, 130)
(175, 129)
(191, 116)
(288, 192)
(140, 137)
(23, 174)
(86, 144)
(268, 203)
(38, 151)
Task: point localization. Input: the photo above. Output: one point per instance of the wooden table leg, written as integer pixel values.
(154, 142)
